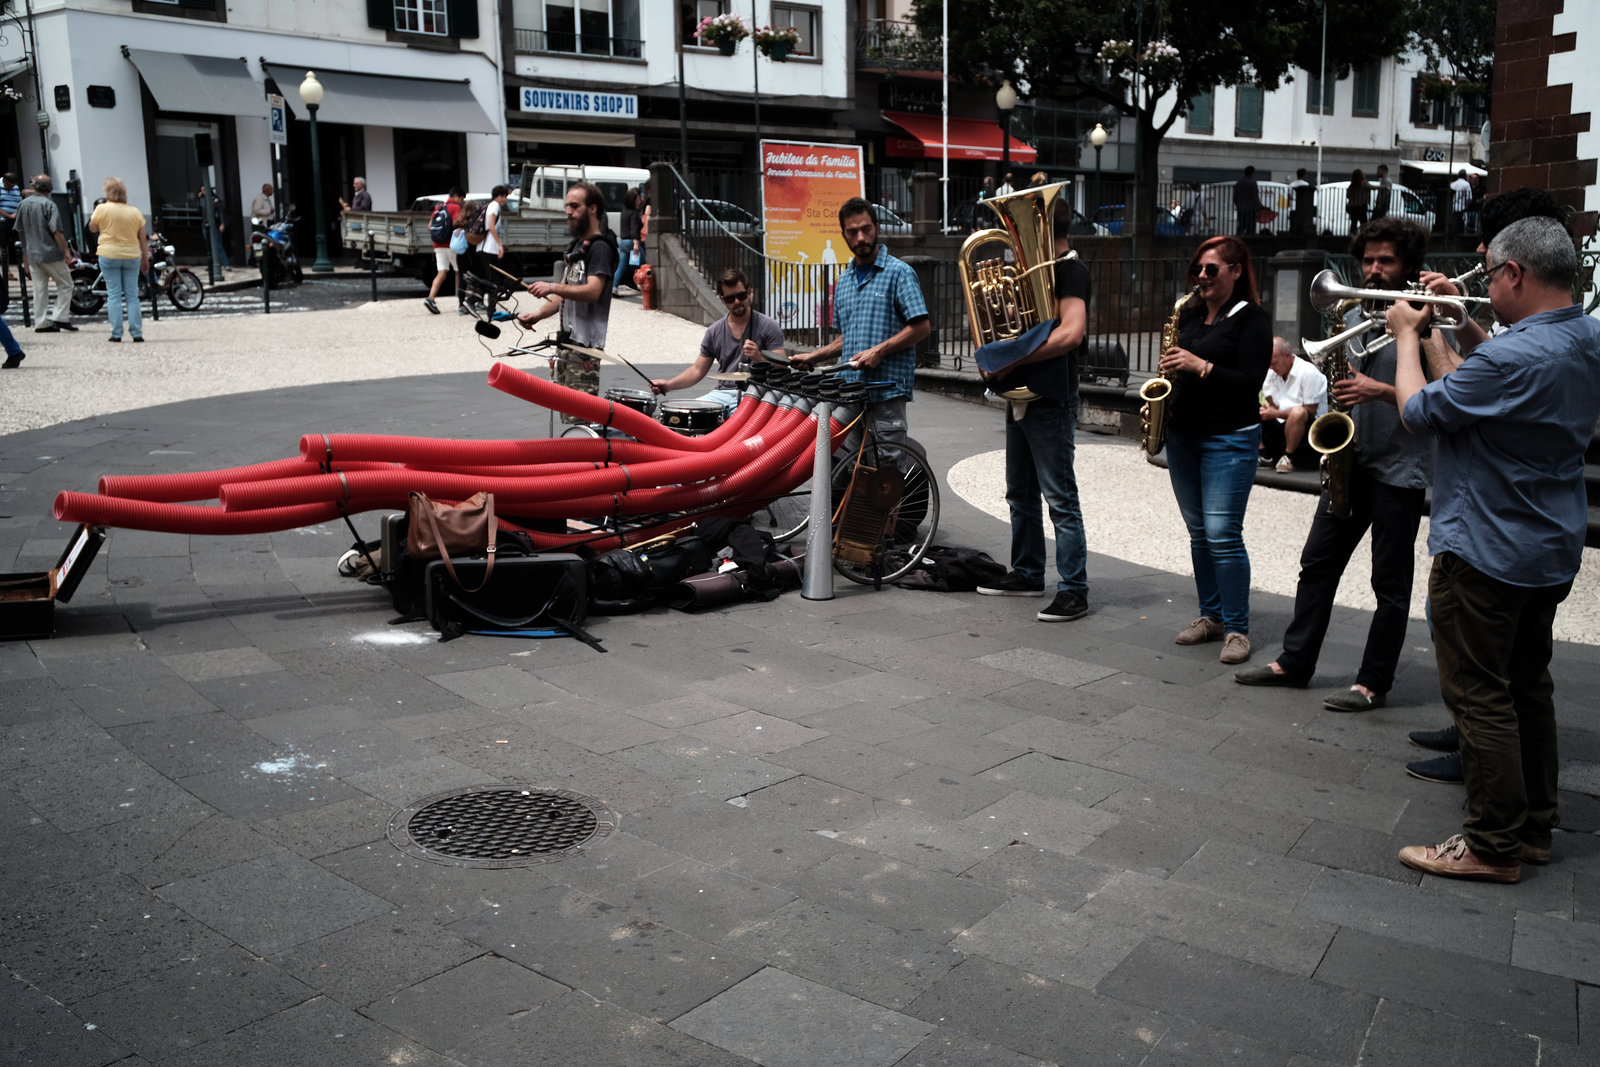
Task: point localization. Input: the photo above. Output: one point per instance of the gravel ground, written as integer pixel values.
(1127, 503)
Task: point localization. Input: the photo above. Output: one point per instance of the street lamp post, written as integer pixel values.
(1097, 137)
(311, 96)
(1005, 98)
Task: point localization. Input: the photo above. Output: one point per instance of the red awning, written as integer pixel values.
(969, 139)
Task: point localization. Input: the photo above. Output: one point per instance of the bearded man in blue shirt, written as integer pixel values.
(1509, 515)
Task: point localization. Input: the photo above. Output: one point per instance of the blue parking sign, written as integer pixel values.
(277, 121)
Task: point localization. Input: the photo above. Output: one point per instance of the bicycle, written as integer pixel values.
(903, 531)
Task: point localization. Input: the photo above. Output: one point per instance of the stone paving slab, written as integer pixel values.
(895, 827)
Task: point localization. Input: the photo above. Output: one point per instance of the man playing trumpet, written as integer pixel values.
(1388, 479)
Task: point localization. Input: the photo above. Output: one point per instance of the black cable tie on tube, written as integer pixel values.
(327, 454)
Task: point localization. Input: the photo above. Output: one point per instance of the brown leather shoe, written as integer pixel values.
(1199, 632)
(1535, 854)
(1453, 859)
(1235, 648)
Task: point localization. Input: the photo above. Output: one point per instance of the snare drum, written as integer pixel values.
(637, 399)
(691, 417)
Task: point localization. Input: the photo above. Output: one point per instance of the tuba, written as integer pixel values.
(1155, 392)
(1006, 300)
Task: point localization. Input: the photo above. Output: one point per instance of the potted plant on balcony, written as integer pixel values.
(724, 31)
(777, 42)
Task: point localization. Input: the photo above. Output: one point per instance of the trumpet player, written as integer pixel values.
(1511, 425)
(1388, 479)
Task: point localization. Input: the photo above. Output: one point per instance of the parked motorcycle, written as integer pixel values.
(272, 242)
(181, 284)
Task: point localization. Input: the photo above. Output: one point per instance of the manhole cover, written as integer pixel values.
(504, 826)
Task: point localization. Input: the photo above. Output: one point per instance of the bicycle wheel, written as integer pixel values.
(185, 290)
(913, 523)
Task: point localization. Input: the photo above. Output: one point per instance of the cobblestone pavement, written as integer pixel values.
(890, 828)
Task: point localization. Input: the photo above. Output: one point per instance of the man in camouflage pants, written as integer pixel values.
(583, 295)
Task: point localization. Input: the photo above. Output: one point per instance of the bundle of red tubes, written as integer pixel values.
(761, 452)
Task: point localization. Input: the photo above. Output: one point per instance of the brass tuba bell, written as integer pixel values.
(1006, 300)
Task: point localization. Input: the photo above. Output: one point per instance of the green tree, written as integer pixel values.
(1457, 41)
(1147, 59)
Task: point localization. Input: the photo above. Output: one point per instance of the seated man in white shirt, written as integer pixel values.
(1295, 393)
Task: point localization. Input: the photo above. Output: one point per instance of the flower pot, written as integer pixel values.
(778, 51)
(726, 47)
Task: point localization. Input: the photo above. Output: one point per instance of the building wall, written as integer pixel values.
(1542, 133)
(81, 46)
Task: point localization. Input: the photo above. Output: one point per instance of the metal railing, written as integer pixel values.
(565, 42)
(891, 42)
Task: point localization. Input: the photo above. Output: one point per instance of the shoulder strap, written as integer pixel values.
(444, 553)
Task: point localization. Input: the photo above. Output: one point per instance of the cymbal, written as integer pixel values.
(584, 351)
(729, 376)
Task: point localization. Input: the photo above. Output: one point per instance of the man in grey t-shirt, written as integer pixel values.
(44, 249)
(730, 344)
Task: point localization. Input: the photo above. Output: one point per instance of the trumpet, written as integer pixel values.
(1327, 292)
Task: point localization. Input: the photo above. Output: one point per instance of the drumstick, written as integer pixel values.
(507, 273)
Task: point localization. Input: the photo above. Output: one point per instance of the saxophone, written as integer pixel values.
(1334, 434)
(1153, 415)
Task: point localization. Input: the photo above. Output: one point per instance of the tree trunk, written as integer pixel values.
(1143, 205)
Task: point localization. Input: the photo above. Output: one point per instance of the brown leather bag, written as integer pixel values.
(439, 531)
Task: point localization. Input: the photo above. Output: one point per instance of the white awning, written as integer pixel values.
(370, 100)
(1439, 167)
(555, 135)
(206, 85)
(12, 68)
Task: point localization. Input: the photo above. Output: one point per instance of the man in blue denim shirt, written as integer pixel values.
(881, 317)
(1509, 514)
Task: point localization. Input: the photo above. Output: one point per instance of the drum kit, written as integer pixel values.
(688, 417)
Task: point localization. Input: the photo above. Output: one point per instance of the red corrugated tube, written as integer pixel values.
(203, 485)
(185, 518)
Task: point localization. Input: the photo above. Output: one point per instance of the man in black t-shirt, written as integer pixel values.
(1041, 390)
(583, 295)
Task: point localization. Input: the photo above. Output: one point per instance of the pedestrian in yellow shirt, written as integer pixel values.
(124, 255)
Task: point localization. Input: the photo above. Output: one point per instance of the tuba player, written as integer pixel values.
(1038, 375)
(1388, 479)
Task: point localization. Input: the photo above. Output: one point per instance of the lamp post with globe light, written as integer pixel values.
(1005, 98)
(1097, 137)
(311, 96)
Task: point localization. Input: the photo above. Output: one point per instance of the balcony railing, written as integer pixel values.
(580, 44)
(891, 43)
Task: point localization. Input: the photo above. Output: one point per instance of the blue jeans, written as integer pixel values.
(1039, 452)
(7, 340)
(122, 279)
(1211, 477)
(624, 247)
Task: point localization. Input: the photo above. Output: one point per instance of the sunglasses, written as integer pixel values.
(1210, 270)
(733, 298)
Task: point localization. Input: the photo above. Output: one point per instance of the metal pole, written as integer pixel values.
(683, 118)
(1322, 89)
(321, 265)
(22, 284)
(944, 113)
(372, 261)
(817, 583)
(1097, 150)
(755, 74)
(264, 261)
(213, 246)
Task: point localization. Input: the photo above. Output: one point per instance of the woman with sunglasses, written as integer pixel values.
(1217, 366)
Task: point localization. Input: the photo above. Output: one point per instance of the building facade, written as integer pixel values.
(161, 93)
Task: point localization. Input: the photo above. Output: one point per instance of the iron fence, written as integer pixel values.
(575, 42)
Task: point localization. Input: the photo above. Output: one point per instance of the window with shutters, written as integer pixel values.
(1314, 90)
(1364, 91)
(205, 10)
(1247, 111)
(422, 16)
(1201, 106)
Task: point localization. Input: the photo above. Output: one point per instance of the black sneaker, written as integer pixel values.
(1445, 740)
(428, 303)
(68, 327)
(1064, 608)
(1013, 584)
(48, 327)
(1446, 769)
(13, 362)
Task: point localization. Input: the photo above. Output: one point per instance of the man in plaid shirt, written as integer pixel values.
(880, 315)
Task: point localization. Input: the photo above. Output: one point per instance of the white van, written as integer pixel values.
(545, 188)
(1217, 215)
(1405, 204)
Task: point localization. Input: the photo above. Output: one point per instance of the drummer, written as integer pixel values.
(731, 343)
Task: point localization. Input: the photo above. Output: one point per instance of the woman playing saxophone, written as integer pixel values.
(1224, 345)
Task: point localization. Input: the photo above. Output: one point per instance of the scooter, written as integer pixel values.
(273, 245)
(180, 284)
